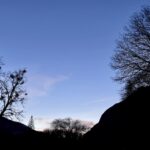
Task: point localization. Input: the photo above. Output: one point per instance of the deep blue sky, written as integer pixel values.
(66, 46)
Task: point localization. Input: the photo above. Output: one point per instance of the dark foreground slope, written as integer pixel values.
(15, 135)
(123, 126)
(13, 128)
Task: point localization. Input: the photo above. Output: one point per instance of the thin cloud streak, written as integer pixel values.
(101, 100)
(40, 85)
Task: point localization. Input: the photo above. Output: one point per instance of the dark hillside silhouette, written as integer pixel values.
(13, 128)
(14, 133)
(123, 126)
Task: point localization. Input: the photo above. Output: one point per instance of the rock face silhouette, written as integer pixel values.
(123, 126)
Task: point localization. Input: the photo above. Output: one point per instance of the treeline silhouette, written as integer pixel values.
(123, 126)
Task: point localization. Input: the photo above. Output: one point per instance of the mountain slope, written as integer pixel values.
(123, 126)
(13, 128)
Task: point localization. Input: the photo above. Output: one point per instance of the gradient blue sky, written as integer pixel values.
(66, 46)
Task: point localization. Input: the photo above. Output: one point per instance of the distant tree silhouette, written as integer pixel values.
(66, 132)
(12, 93)
(132, 57)
(31, 123)
(68, 125)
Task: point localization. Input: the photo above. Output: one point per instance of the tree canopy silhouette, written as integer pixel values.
(70, 125)
(12, 93)
(132, 58)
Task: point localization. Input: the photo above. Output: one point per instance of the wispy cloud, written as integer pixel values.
(40, 85)
(102, 100)
(94, 101)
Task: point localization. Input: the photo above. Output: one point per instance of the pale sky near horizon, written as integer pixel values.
(66, 47)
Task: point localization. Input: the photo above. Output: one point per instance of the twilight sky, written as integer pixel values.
(66, 47)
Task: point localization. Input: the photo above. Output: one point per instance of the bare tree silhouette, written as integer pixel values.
(132, 57)
(12, 93)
